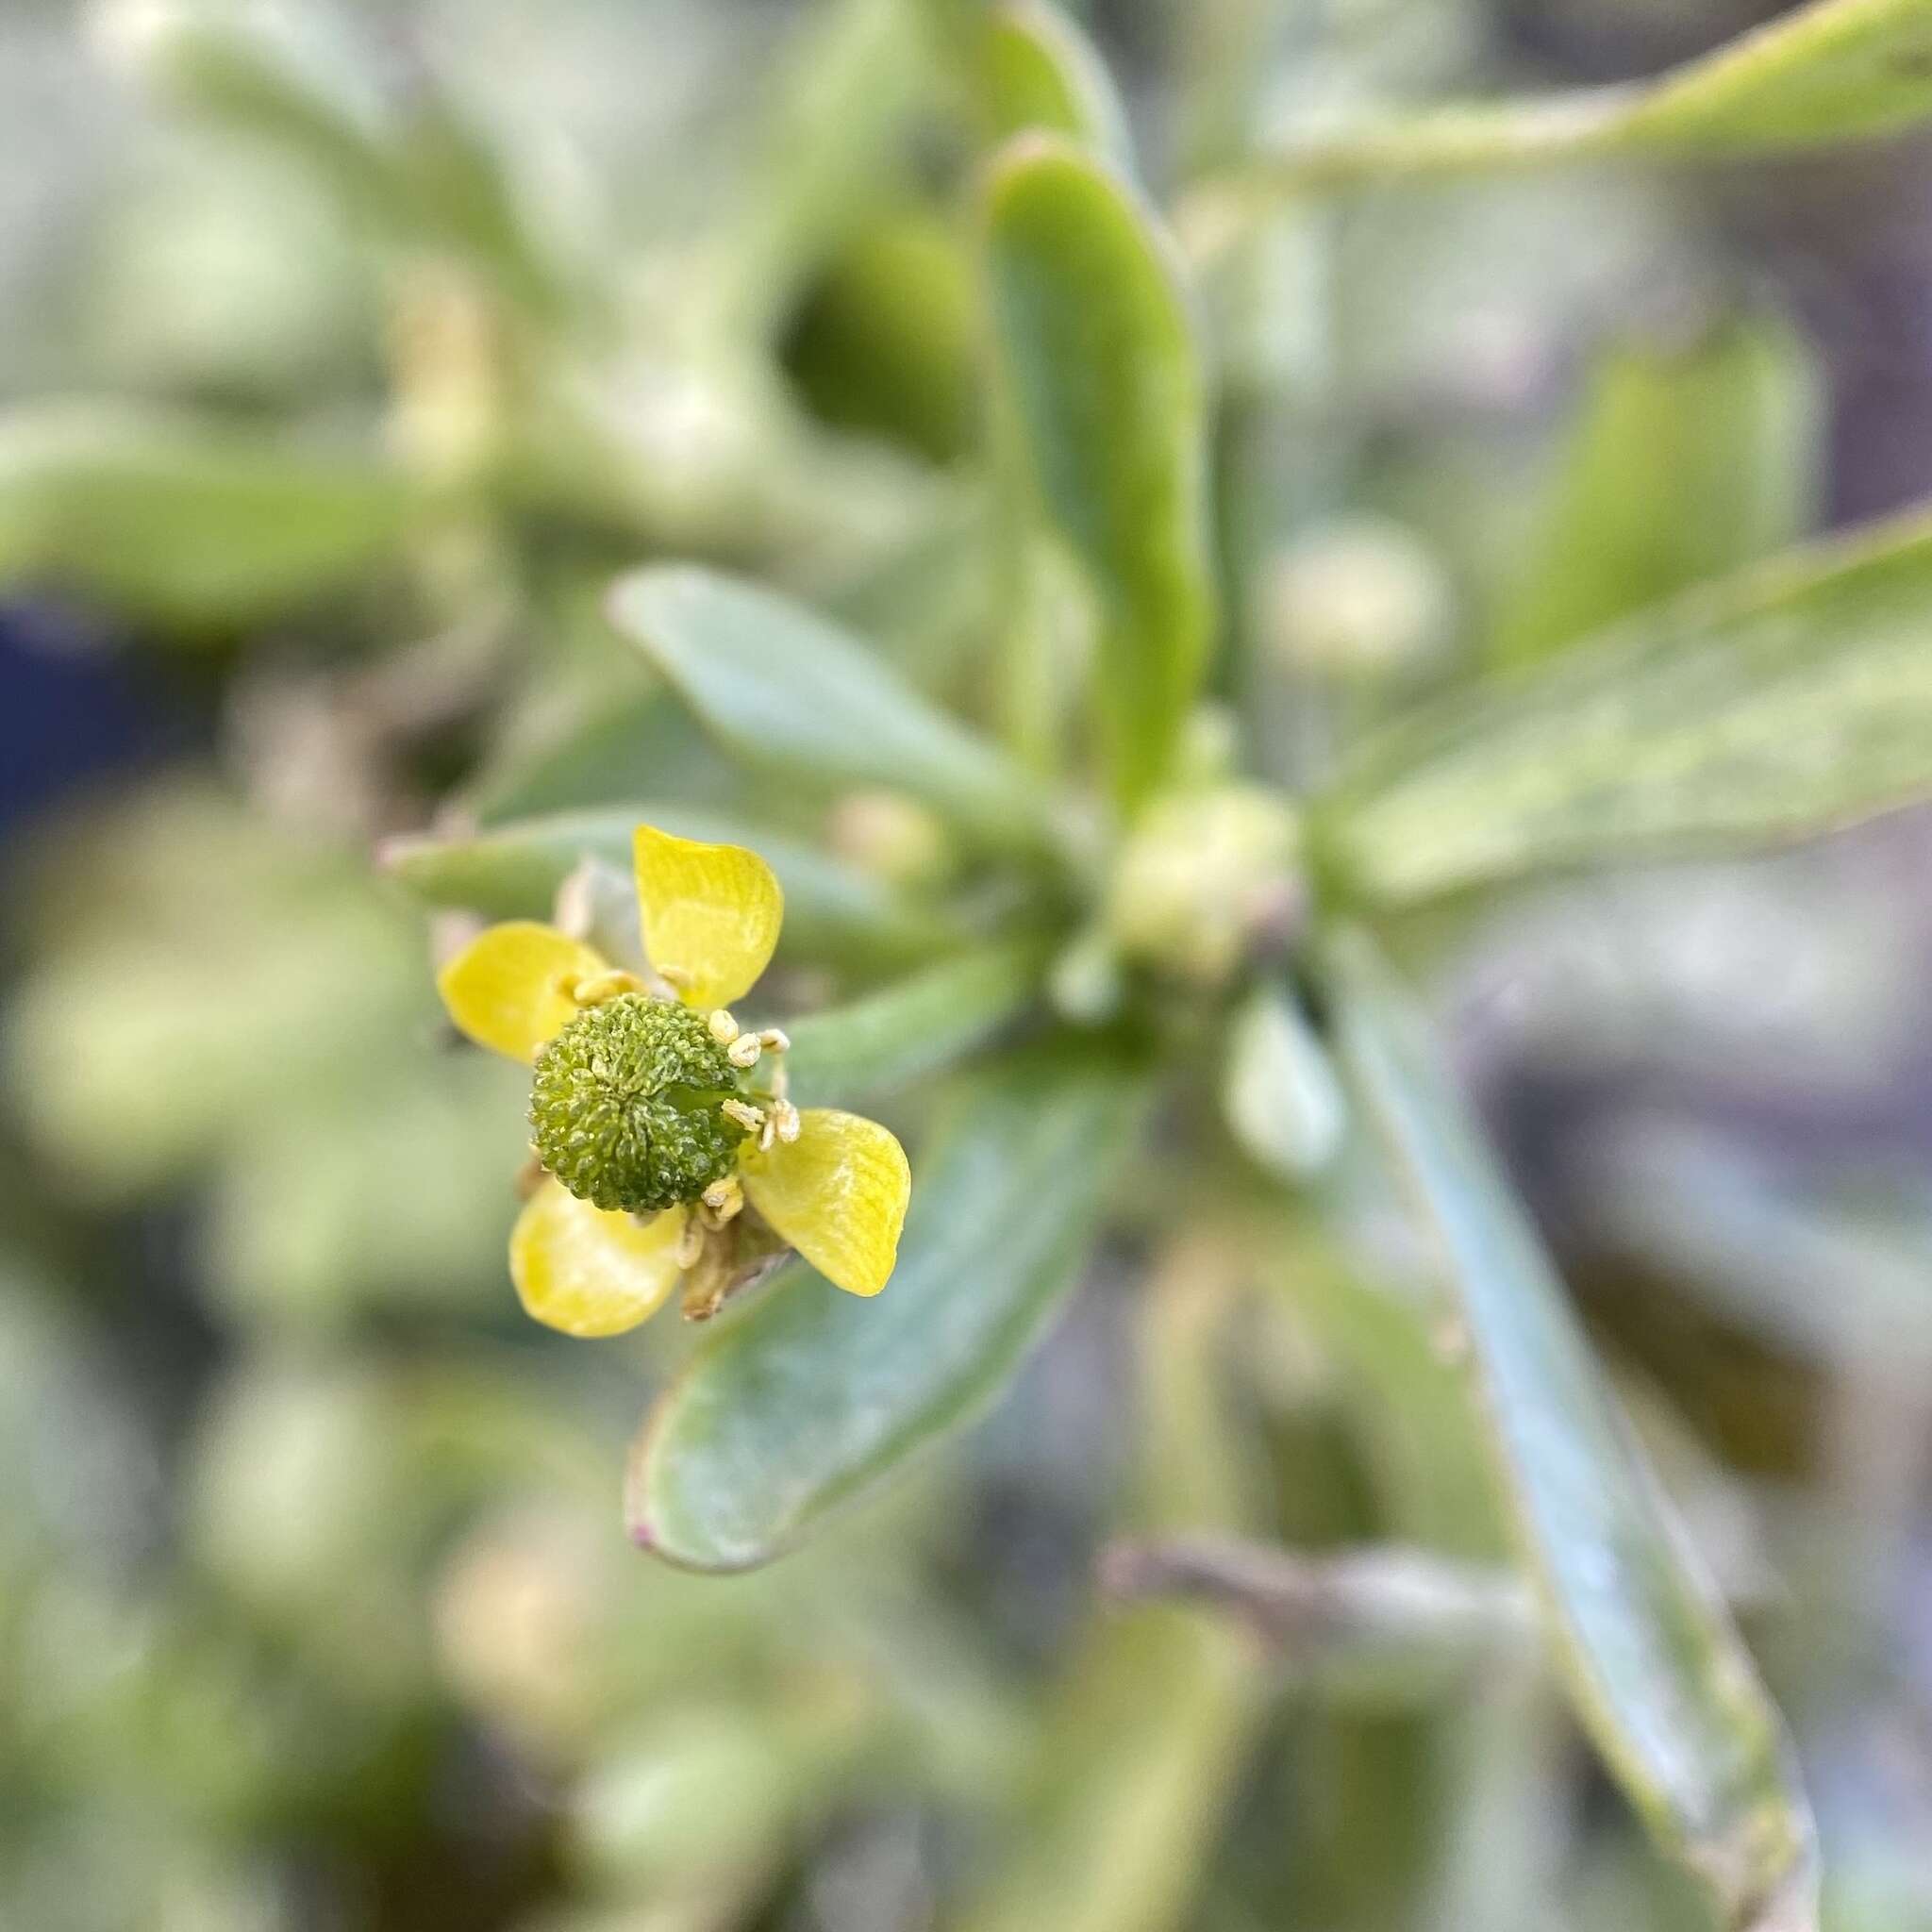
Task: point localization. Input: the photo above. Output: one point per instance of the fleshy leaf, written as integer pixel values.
(1790, 699)
(509, 988)
(586, 1273)
(710, 914)
(813, 1397)
(913, 1027)
(1659, 1677)
(837, 1194)
(1836, 70)
(1099, 361)
(784, 690)
(1687, 460)
(1038, 72)
(832, 911)
(178, 522)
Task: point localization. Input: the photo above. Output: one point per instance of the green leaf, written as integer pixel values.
(1688, 462)
(814, 1395)
(785, 690)
(401, 159)
(1144, 1742)
(912, 1028)
(1659, 1678)
(1838, 70)
(1280, 1093)
(1783, 702)
(513, 871)
(175, 521)
(1039, 73)
(1098, 356)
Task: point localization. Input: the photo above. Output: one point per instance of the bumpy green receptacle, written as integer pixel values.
(625, 1105)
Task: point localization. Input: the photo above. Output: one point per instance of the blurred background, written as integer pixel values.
(316, 1614)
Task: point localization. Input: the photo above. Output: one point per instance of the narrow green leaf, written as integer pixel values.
(1659, 1678)
(402, 160)
(814, 1395)
(912, 1028)
(1783, 702)
(1144, 1744)
(1836, 70)
(1687, 462)
(1039, 73)
(175, 521)
(1098, 356)
(782, 688)
(513, 871)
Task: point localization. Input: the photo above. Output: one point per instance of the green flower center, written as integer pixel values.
(625, 1105)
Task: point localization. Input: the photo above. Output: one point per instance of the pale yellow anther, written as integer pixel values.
(743, 1051)
(601, 987)
(786, 1119)
(723, 1200)
(690, 1245)
(747, 1116)
(767, 1135)
(723, 1028)
(776, 1039)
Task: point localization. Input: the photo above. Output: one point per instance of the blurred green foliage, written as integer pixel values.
(1167, 526)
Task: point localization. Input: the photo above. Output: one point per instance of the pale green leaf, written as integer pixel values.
(1687, 461)
(784, 690)
(1039, 73)
(1144, 1742)
(1783, 702)
(912, 1028)
(1098, 360)
(513, 871)
(1280, 1093)
(173, 521)
(403, 160)
(1836, 70)
(1659, 1676)
(813, 1395)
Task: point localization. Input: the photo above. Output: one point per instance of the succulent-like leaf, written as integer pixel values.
(785, 690)
(1783, 702)
(913, 1027)
(1098, 356)
(180, 523)
(1039, 73)
(1687, 461)
(1836, 70)
(831, 910)
(1659, 1676)
(813, 1395)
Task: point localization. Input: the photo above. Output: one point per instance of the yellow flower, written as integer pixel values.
(650, 1138)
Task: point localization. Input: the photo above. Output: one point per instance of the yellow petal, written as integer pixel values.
(711, 914)
(837, 1194)
(509, 988)
(588, 1273)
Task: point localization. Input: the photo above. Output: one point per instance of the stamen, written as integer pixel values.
(690, 1245)
(786, 1120)
(724, 1200)
(723, 1028)
(776, 1039)
(747, 1116)
(743, 1051)
(601, 987)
